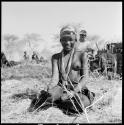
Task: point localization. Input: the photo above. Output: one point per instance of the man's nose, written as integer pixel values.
(67, 42)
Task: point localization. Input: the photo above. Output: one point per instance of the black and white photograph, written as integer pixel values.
(61, 62)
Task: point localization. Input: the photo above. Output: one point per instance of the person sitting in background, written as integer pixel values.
(4, 61)
(35, 57)
(26, 57)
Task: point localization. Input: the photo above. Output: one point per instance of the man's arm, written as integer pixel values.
(55, 73)
(84, 72)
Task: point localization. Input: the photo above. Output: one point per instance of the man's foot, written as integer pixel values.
(37, 101)
(33, 96)
(92, 96)
(31, 109)
(32, 105)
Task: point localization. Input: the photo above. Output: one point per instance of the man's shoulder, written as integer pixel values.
(56, 55)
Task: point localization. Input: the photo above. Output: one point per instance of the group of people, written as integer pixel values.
(34, 57)
(69, 74)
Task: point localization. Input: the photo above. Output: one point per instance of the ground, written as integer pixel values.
(17, 82)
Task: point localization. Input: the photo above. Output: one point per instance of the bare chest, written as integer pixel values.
(75, 63)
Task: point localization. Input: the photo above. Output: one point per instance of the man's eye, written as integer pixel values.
(70, 39)
(63, 40)
(66, 39)
(82, 35)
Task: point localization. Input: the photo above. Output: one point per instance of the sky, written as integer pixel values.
(46, 18)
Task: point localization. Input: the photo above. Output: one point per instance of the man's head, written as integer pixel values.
(83, 35)
(34, 52)
(68, 36)
(25, 52)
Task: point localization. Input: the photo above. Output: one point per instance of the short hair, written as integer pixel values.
(83, 32)
(68, 30)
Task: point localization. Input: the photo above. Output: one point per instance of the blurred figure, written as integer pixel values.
(4, 61)
(35, 57)
(83, 35)
(83, 44)
(41, 59)
(26, 57)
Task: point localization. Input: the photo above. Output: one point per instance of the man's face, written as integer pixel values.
(67, 42)
(82, 37)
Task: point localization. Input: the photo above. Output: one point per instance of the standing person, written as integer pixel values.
(84, 44)
(83, 35)
(69, 72)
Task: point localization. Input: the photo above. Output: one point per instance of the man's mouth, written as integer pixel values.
(67, 47)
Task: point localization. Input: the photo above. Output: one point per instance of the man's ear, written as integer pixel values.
(60, 39)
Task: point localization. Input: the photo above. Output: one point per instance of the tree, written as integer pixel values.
(9, 43)
(10, 38)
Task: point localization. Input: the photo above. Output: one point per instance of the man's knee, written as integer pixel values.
(43, 94)
(56, 92)
(84, 100)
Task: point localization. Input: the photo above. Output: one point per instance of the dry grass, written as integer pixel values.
(19, 81)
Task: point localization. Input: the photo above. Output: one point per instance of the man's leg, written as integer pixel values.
(56, 93)
(50, 96)
(38, 101)
(85, 100)
(87, 96)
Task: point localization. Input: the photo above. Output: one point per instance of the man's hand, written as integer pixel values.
(67, 95)
(71, 94)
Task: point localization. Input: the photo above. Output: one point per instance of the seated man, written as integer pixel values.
(69, 74)
(35, 57)
(26, 57)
